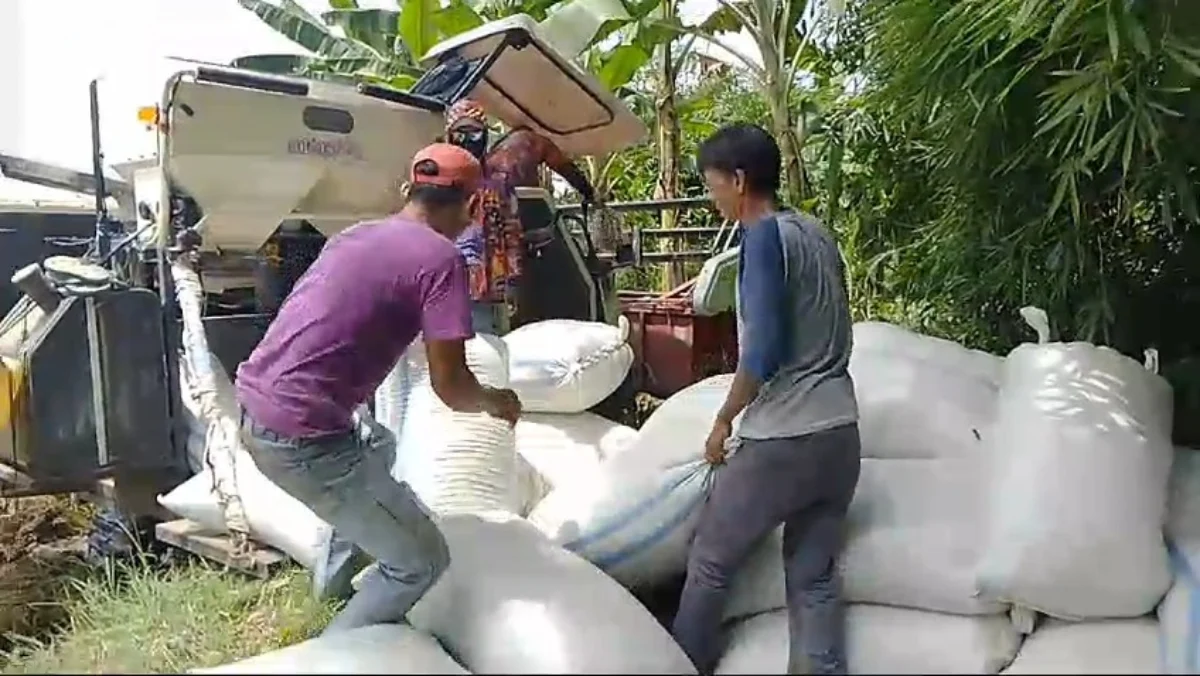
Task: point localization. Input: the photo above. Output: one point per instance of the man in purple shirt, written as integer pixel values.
(373, 289)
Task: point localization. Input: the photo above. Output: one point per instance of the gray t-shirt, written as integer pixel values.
(794, 328)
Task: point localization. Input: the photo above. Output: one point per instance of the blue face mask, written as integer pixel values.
(473, 140)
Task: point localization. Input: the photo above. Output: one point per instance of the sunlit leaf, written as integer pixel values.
(456, 17)
(416, 25)
(574, 25)
(620, 65)
(379, 29)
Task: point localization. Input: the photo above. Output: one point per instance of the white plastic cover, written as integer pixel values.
(567, 366)
(537, 87)
(1080, 453)
(512, 602)
(378, 649)
(882, 640)
(913, 542)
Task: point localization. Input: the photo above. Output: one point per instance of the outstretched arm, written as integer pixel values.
(563, 166)
(446, 326)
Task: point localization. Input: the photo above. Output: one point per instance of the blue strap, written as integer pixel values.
(697, 470)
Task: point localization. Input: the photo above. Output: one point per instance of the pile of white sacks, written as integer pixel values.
(1009, 517)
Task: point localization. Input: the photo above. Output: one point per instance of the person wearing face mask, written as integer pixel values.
(796, 462)
(492, 244)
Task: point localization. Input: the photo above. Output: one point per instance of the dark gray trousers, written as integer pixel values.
(347, 481)
(805, 483)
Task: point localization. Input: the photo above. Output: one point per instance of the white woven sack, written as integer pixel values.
(512, 602)
(276, 518)
(1179, 611)
(557, 448)
(377, 649)
(918, 396)
(567, 366)
(1081, 454)
(391, 398)
(913, 542)
(270, 515)
(637, 528)
(457, 462)
(1094, 647)
(675, 432)
(882, 640)
(883, 338)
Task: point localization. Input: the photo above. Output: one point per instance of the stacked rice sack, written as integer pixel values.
(991, 490)
(1080, 462)
(510, 602)
(1179, 612)
(560, 368)
(634, 515)
(455, 462)
(925, 409)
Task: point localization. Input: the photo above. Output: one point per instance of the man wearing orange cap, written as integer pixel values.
(374, 289)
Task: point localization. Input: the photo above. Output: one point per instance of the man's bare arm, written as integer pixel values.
(452, 381)
(458, 388)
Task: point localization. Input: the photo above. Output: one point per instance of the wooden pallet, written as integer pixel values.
(262, 561)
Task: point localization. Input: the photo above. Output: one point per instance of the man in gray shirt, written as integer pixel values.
(797, 449)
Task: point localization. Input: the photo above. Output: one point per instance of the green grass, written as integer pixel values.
(138, 620)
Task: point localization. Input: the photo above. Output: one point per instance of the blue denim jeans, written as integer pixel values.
(346, 480)
(806, 484)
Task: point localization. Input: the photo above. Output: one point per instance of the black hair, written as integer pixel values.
(434, 195)
(437, 195)
(747, 148)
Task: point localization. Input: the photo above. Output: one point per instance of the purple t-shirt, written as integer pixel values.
(373, 289)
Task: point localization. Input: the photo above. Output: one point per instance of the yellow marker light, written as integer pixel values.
(148, 115)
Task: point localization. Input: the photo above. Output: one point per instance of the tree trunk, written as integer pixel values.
(795, 188)
(667, 122)
(775, 90)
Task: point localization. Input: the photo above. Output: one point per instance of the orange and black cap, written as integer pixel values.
(447, 166)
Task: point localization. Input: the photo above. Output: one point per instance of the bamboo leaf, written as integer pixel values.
(1189, 66)
(1114, 39)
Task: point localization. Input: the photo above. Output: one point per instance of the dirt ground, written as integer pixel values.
(41, 540)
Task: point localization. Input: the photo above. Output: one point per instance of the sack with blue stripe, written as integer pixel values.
(1179, 612)
(636, 527)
